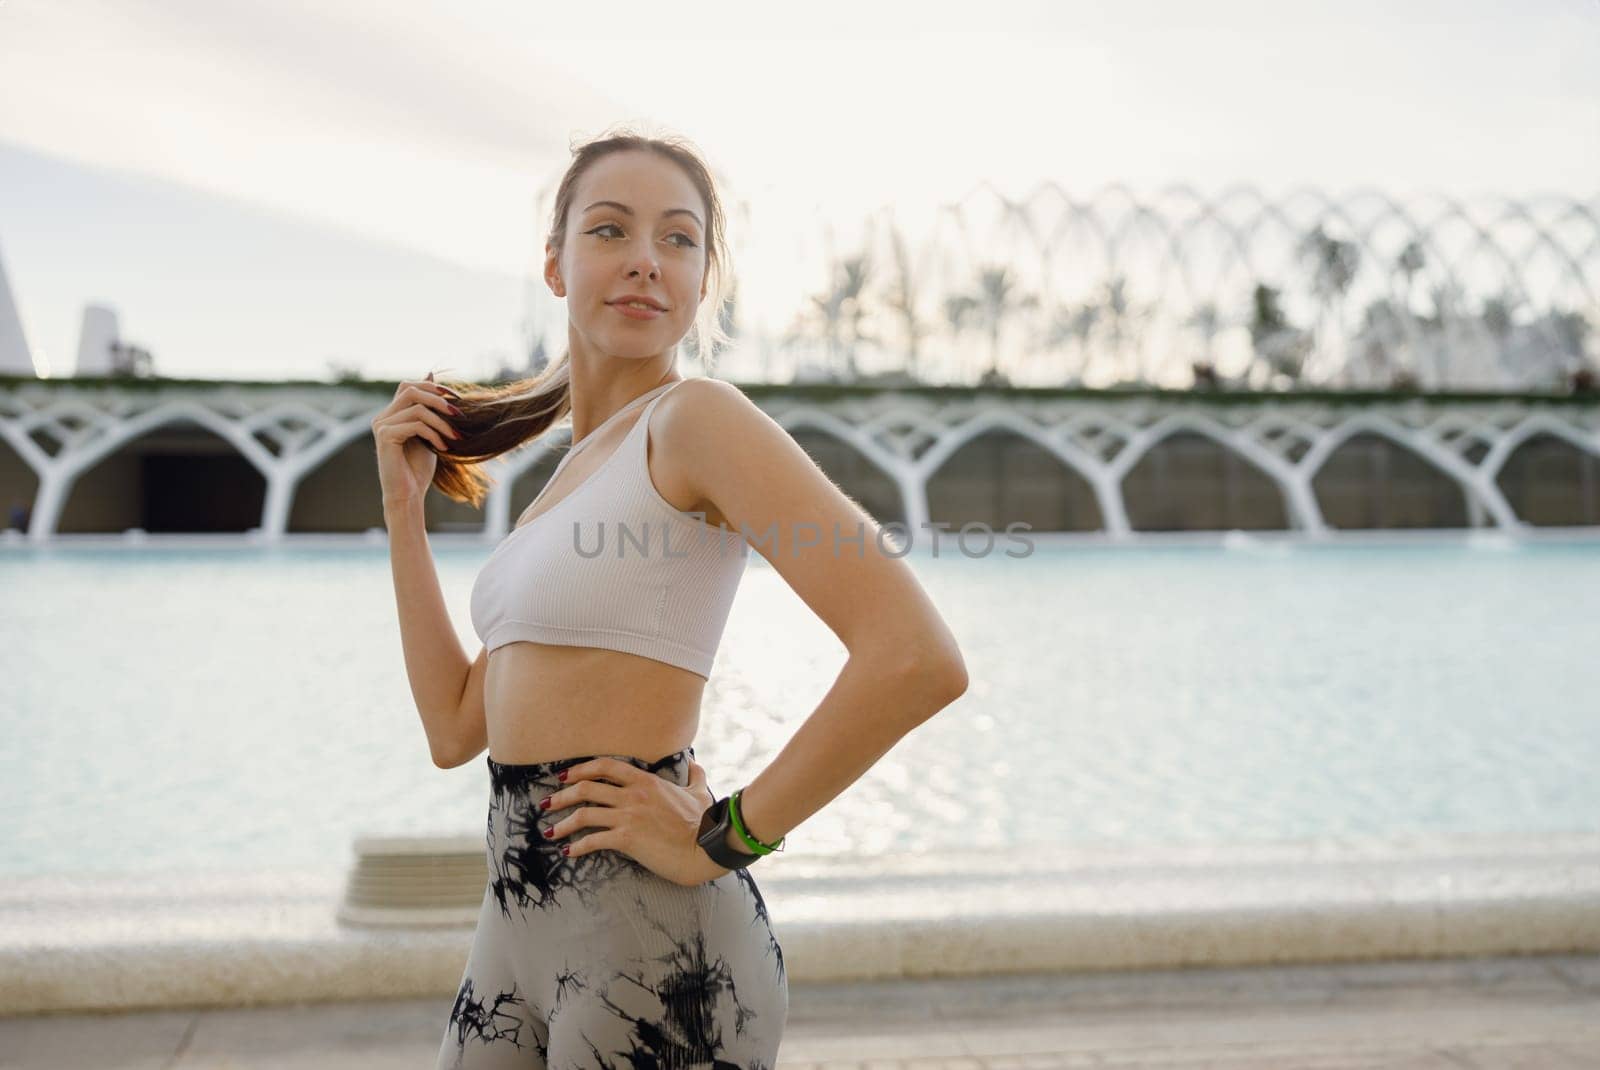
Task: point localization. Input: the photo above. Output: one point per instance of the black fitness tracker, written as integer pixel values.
(713, 837)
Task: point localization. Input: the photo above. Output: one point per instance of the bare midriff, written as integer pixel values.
(544, 702)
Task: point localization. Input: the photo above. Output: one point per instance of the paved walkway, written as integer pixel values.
(1532, 1013)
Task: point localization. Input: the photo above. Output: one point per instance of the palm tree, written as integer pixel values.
(1072, 323)
(960, 312)
(1280, 346)
(1082, 326)
(1117, 314)
(1498, 314)
(1206, 322)
(902, 302)
(993, 303)
(1333, 263)
(1436, 327)
(1408, 265)
(998, 300)
(1380, 326)
(1570, 330)
(853, 275)
(836, 314)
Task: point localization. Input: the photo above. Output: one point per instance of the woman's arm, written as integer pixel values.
(903, 665)
(446, 687)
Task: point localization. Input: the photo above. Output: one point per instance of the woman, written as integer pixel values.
(617, 924)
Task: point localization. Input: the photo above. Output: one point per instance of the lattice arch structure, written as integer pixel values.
(62, 431)
(1057, 288)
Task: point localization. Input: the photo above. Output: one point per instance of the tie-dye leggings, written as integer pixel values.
(595, 961)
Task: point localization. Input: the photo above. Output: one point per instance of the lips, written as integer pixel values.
(650, 301)
(634, 313)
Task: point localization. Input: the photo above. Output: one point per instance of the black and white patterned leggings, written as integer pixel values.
(596, 962)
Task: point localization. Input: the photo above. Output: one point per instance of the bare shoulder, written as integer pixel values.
(829, 550)
(696, 412)
(700, 399)
(701, 422)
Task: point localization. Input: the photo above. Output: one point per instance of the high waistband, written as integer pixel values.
(518, 777)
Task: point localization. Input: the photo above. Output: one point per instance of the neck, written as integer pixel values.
(595, 403)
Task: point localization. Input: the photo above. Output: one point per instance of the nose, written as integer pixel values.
(645, 263)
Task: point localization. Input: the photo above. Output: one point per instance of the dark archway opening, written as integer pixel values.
(1192, 482)
(1371, 481)
(179, 477)
(1001, 478)
(1549, 481)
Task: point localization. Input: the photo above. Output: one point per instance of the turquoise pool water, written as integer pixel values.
(169, 706)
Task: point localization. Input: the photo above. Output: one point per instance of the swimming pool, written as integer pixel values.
(182, 705)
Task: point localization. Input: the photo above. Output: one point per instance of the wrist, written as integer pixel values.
(727, 839)
(736, 842)
(402, 510)
(753, 829)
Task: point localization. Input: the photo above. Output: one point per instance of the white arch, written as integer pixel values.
(1533, 424)
(913, 500)
(62, 472)
(1470, 480)
(334, 418)
(1058, 446)
(1300, 513)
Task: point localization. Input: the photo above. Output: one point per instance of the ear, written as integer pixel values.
(552, 271)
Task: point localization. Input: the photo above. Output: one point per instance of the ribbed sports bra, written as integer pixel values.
(613, 564)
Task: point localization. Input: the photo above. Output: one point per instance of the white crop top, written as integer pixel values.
(613, 564)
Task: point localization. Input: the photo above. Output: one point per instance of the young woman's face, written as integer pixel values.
(636, 226)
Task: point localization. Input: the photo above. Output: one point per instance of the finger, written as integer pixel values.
(413, 404)
(424, 386)
(593, 816)
(433, 419)
(595, 841)
(399, 432)
(583, 791)
(420, 393)
(440, 388)
(411, 394)
(619, 771)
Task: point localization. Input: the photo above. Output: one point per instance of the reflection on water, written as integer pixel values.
(228, 707)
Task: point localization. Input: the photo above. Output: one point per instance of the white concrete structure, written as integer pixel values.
(15, 359)
(287, 432)
(96, 337)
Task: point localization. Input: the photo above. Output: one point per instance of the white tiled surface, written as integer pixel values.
(232, 939)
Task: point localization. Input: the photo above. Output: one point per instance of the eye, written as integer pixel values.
(688, 242)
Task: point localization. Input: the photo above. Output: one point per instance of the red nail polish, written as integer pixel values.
(566, 849)
(563, 776)
(549, 833)
(544, 803)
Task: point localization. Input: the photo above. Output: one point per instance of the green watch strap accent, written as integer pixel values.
(755, 846)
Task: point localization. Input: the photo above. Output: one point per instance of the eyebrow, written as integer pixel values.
(625, 210)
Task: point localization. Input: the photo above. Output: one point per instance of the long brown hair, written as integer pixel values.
(498, 419)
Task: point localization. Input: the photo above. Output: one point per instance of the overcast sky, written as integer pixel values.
(261, 188)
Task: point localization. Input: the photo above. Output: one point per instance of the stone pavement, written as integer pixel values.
(1530, 1013)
